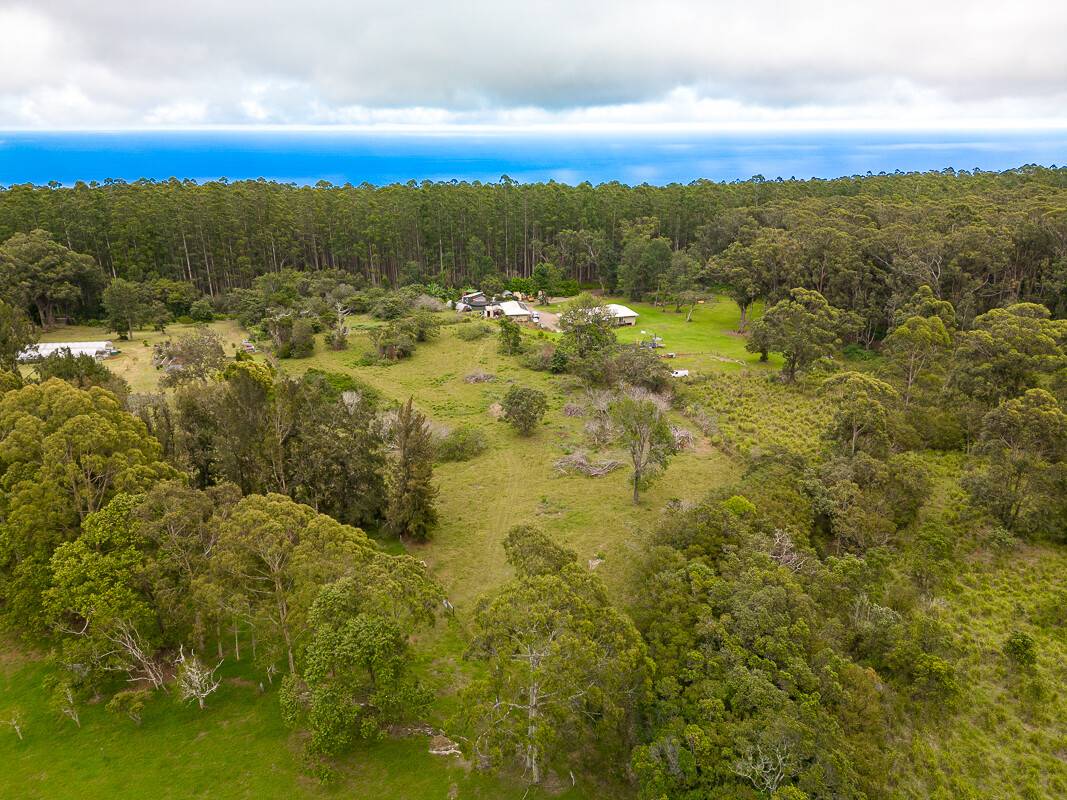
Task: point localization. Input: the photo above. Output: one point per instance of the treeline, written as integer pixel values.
(866, 243)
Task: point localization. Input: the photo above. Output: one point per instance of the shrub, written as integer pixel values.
(524, 408)
(394, 341)
(201, 310)
(185, 319)
(640, 366)
(510, 337)
(462, 444)
(541, 359)
(81, 370)
(473, 332)
(391, 306)
(1021, 650)
(422, 324)
(340, 384)
(302, 344)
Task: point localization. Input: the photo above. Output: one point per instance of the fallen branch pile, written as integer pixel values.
(579, 462)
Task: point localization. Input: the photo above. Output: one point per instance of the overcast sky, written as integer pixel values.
(85, 64)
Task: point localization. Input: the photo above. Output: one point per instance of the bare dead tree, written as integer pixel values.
(196, 681)
(141, 663)
(765, 767)
(784, 551)
(15, 721)
(68, 707)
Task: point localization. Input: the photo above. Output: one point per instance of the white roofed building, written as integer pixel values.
(623, 315)
(512, 309)
(44, 349)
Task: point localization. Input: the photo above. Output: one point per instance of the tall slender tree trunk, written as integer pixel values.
(532, 756)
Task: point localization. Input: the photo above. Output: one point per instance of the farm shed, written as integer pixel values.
(512, 309)
(623, 315)
(97, 350)
(474, 301)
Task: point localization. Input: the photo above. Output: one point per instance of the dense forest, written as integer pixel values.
(866, 243)
(784, 628)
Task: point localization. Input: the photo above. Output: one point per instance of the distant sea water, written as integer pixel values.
(382, 158)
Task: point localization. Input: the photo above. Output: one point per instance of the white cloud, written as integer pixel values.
(432, 63)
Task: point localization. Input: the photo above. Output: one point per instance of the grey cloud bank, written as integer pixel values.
(421, 64)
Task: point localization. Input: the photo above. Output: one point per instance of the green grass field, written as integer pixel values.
(237, 748)
(1007, 738)
(709, 343)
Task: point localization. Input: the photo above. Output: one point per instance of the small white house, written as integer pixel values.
(623, 315)
(512, 309)
(97, 350)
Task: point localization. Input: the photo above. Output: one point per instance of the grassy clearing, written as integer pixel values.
(709, 343)
(134, 364)
(236, 748)
(514, 481)
(753, 411)
(1008, 739)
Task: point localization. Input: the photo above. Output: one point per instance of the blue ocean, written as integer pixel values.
(382, 158)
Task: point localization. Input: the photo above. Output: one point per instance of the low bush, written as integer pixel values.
(462, 444)
(474, 331)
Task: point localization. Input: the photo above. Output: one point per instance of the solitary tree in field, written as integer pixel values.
(648, 437)
(531, 551)
(1024, 439)
(63, 699)
(195, 680)
(802, 328)
(588, 327)
(524, 408)
(411, 513)
(15, 720)
(860, 411)
(338, 337)
(510, 337)
(194, 358)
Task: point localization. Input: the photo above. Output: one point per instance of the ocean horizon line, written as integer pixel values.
(384, 158)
